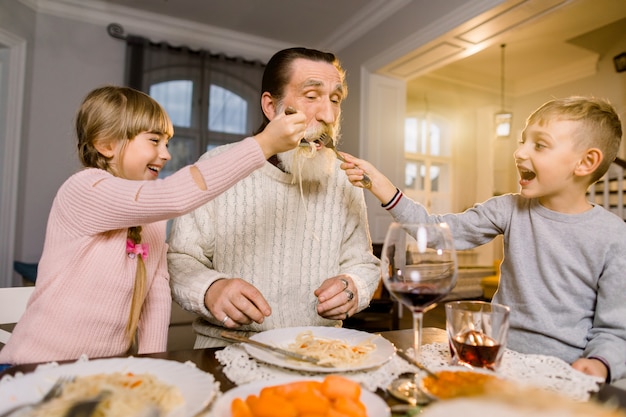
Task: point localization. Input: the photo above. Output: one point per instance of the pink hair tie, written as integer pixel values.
(133, 249)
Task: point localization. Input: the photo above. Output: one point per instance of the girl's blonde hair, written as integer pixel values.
(107, 115)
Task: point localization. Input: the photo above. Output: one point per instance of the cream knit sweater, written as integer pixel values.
(282, 241)
(85, 280)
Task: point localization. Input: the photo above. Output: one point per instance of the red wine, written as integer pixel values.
(476, 349)
(415, 295)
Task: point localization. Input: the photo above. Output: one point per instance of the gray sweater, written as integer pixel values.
(563, 275)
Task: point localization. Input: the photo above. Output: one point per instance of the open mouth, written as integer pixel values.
(527, 175)
(318, 143)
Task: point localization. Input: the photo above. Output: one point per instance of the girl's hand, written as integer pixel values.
(282, 133)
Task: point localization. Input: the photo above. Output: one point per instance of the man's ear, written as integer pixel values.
(268, 105)
(589, 162)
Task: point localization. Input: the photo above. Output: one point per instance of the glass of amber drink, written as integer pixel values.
(477, 332)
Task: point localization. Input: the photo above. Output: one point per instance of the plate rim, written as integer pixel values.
(46, 373)
(262, 355)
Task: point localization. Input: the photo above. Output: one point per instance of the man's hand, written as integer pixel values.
(235, 302)
(337, 298)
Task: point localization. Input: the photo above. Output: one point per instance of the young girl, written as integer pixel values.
(102, 281)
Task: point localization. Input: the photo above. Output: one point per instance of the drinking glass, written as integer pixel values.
(477, 332)
(419, 268)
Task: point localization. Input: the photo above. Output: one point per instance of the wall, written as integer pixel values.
(68, 58)
(66, 61)
(606, 83)
(419, 22)
(470, 113)
(477, 156)
(16, 34)
(69, 61)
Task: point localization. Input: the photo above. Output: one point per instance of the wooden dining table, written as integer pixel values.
(205, 360)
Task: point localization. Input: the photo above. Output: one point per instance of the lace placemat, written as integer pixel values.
(240, 368)
(539, 371)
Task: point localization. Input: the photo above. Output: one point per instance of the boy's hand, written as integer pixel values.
(592, 367)
(282, 133)
(382, 187)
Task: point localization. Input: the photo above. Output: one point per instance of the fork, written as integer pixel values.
(328, 142)
(54, 391)
(86, 408)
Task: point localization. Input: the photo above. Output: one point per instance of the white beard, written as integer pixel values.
(306, 164)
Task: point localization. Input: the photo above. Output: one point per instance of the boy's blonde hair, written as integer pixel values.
(109, 114)
(601, 128)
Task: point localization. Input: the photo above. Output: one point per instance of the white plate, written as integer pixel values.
(285, 336)
(375, 406)
(196, 386)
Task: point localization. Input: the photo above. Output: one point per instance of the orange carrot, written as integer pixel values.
(335, 396)
(269, 404)
(239, 408)
(312, 401)
(335, 386)
(294, 389)
(350, 407)
(334, 413)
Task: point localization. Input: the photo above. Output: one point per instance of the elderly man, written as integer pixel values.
(289, 245)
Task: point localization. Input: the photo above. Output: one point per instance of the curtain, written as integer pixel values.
(212, 99)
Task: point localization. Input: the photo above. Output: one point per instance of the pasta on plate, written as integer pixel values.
(331, 351)
(127, 394)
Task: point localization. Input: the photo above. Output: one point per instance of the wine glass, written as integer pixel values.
(419, 268)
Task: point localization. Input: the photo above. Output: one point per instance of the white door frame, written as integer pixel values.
(382, 117)
(14, 88)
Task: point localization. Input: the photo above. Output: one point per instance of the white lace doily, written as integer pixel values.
(547, 372)
(539, 371)
(240, 368)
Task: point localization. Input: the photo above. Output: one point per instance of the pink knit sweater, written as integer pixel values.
(85, 279)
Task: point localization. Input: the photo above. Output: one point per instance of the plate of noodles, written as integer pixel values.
(374, 405)
(177, 389)
(344, 349)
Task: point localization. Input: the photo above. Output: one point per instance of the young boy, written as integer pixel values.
(564, 267)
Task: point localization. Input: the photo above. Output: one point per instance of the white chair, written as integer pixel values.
(12, 305)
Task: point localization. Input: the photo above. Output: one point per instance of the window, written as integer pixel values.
(427, 150)
(227, 111)
(212, 99)
(203, 121)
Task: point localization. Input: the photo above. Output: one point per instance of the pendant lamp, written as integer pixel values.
(503, 118)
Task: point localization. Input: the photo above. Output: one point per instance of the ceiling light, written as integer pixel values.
(502, 118)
